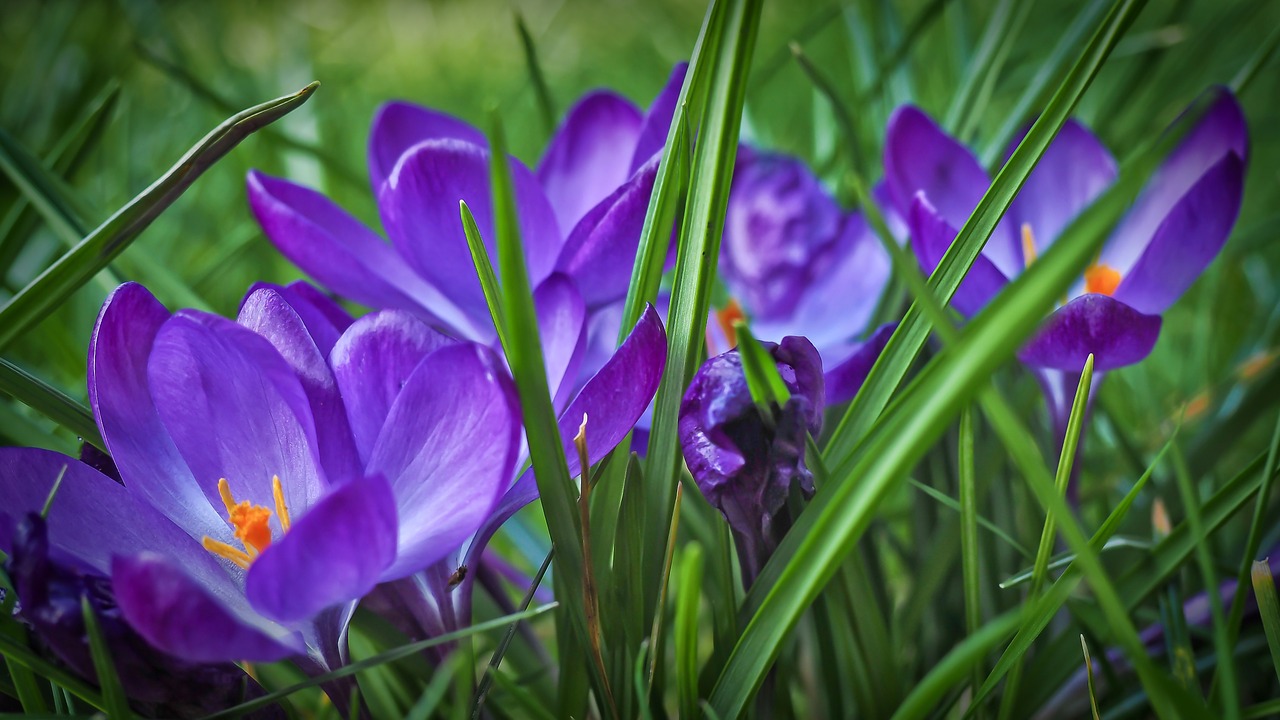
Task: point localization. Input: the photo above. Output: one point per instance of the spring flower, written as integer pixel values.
(1174, 230)
(796, 264)
(266, 485)
(580, 214)
(746, 465)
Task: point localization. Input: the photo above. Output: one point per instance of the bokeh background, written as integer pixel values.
(172, 71)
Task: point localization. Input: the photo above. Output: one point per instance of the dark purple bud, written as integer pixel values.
(50, 591)
(746, 465)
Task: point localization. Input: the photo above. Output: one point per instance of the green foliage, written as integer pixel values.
(939, 571)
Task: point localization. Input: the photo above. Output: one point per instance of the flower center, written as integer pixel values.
(1101, 278)
(250, 523)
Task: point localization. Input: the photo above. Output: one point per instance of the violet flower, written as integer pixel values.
(580, 217)
(747, 465)
(1174, 230)
(265, 488)
(49, 601)
(795, 263)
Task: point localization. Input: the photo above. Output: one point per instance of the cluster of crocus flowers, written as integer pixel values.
(746, 464)
(795, 263)
(272, 470)
(1174, 230)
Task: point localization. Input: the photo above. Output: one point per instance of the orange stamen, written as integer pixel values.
(251, 524)
(1101, 279)
(282, 511)
(223, 550)
(726, 317)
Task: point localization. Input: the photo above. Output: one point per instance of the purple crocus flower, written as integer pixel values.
(49, 601)
(746, 465)
(1175, 229)
(266, 487)
(795, 263)
(580, 217)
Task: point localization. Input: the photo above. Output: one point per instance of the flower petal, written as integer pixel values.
(1072, 173)
(1192, 233)
(333, 554)
(371, 363)
(400, 125)
(845, 376)
(235, 410)
(931, 236)
(613, 400)
(1221, 131)
(179, 616)
(657, 121)
(270, 314)
(324, 318)
(340, 252)
(562, 324)
(419, 205)
(601, 250)
(92, 517)
(1115, 333)
(121, 400)
(589, 155)
(448, 448)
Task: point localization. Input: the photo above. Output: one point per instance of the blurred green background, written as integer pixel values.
(175, 70)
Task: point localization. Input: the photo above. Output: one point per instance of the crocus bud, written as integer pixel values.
(745, 464)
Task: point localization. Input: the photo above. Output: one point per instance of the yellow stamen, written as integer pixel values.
(1028, 245)
(223, 550)
(1101, 279)
(282, 511)
(224, 489)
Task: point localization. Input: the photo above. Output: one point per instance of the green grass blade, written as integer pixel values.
(17, 653)
(482, 690)
(1088, 670)
(734, 24)
(1264, 586)
(949, 502)
(102, 245)
(403, 651)
(685, 629)
(929, 693)
(969, 551)
(1048, 533)
(1221, 632)
(117, 704)
(49, 401)
(911, 334)
(541, 93)
(763, 380)
(484, 270)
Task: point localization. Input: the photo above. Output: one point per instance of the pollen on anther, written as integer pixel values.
(282, 510)
(1028, 245)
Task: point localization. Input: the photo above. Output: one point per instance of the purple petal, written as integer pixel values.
(269, 314)
(601, 250)
(1220, 132)
(371, 363)
(1072, 173)
(931, 236)
(340, 252)
(324, 318)
(589, 155)
(1188, 240)
(448, 449)
(179, 616)
(657, 121)
(121, 399)
(419, 204)
(235, 410)
(613, 400)
(399, 126)
(92, 517)
(333, 554)
(562, 325)
(845, 377)
(1115, 333)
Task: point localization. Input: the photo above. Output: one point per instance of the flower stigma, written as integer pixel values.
(725, 318)
(250, 523)
(1101, 278)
